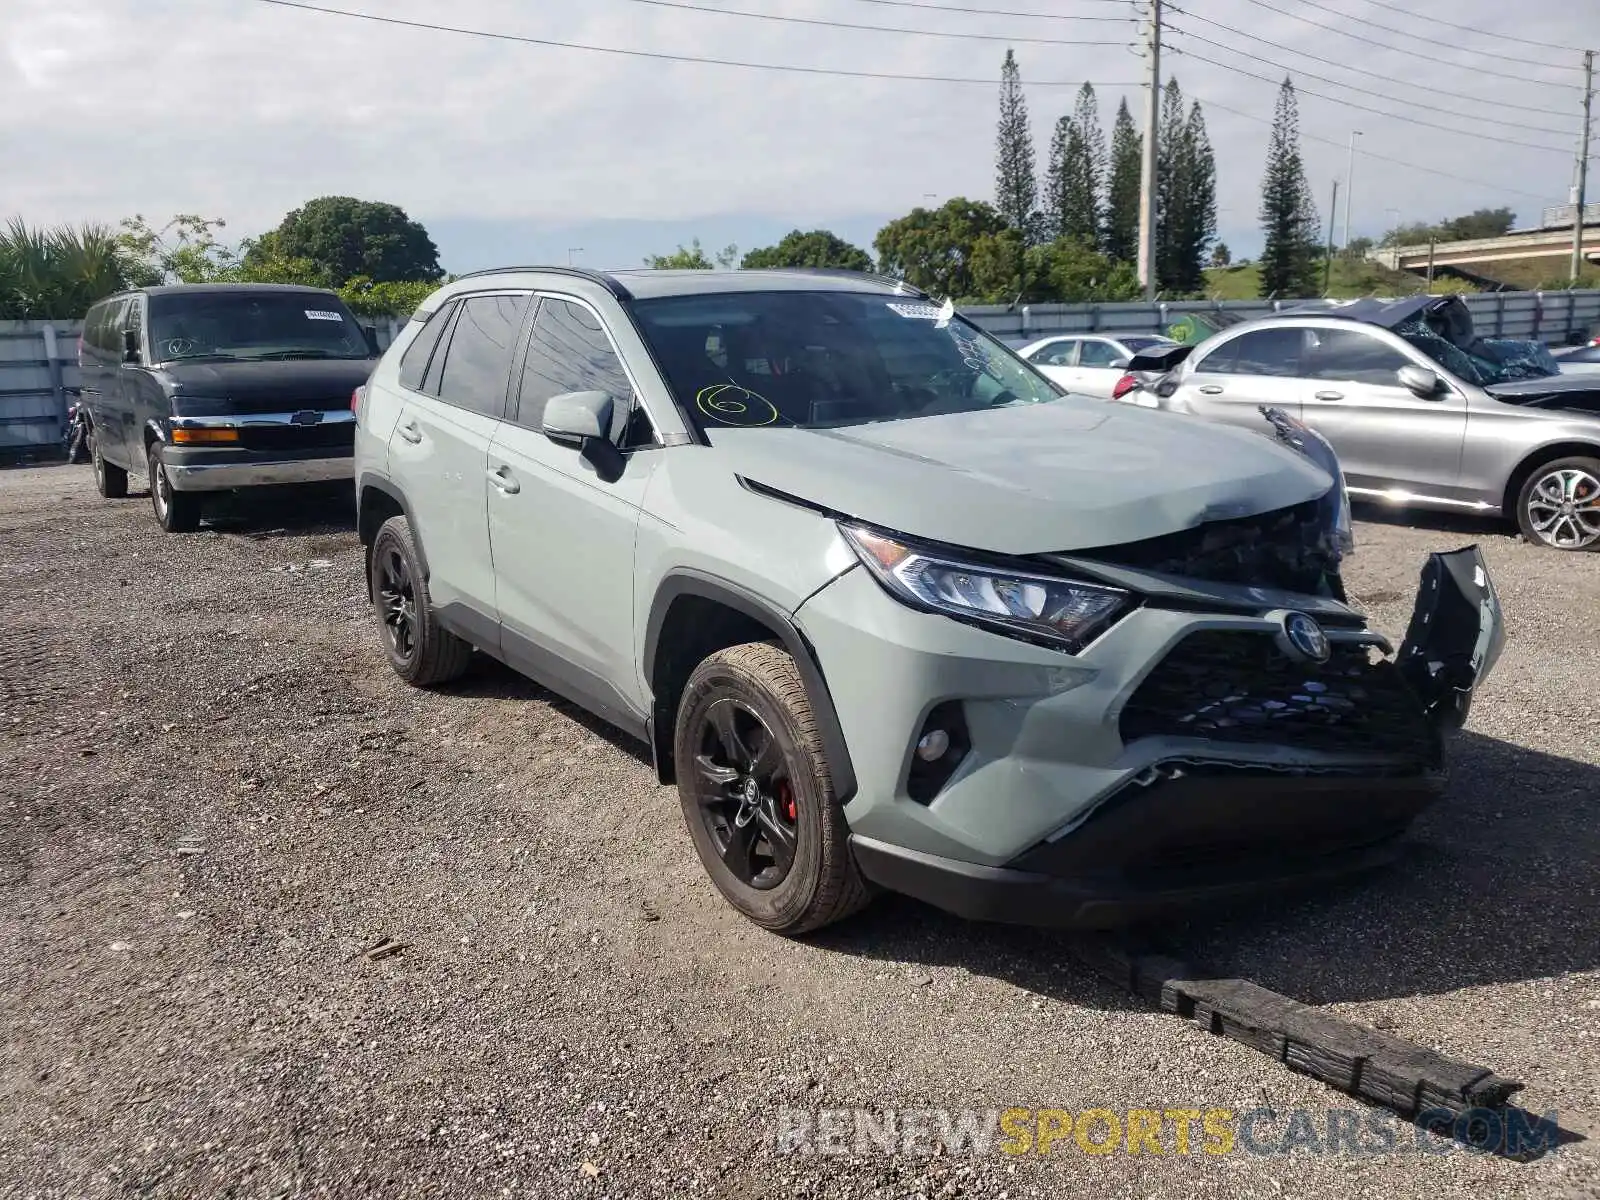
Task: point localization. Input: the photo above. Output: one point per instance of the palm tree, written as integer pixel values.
(57, 272)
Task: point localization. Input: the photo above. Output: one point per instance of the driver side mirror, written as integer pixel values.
(1420, 381)
(130, 345)
(584, 420)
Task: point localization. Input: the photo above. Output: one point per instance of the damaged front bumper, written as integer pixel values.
(1186, 757)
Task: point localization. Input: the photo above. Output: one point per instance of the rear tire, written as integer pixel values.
(1558, 506)
(421, 651)
(759, 800)
(176, 512)
(110, 480)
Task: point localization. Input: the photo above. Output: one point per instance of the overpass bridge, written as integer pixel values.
(1552, 245)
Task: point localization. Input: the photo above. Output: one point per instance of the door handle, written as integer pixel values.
(1211, 389)
(1330, 395)
(502, 478)
(411, 432)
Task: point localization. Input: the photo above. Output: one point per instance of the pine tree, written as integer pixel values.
(1122, 192)
(1288, 212)
(1172, 188)
(1089, 174)
(1055, 179)
(1197, 223)
(1016, 191)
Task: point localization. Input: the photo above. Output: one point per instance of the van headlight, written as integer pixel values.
(1050, 610)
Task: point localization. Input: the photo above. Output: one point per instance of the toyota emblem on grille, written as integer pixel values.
(1304, 639)
(308, 416)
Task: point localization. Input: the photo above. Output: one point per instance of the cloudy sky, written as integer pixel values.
(514, 151)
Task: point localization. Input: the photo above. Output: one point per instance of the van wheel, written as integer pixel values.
(1559, 505)
(757, 794)
(177, 512)
(110, 481)
(420, 650)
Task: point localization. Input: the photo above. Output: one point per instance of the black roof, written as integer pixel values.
(645, 283)
(196, 289)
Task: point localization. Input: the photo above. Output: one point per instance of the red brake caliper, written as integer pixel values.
(786, 795)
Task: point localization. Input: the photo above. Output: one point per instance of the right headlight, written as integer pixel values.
(1065, 614)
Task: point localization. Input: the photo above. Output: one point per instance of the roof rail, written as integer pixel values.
(900, 285)
(610, 283)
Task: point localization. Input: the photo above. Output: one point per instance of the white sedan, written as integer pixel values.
(1089, 363)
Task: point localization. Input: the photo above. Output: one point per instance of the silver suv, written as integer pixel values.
(889, 608)
(1421, 411)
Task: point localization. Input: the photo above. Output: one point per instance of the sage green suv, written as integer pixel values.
(892, 609)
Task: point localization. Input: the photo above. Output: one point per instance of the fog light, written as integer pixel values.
(932, 745)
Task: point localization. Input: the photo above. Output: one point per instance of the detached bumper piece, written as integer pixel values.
(1456, 635)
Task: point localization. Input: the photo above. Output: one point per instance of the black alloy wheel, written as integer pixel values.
(746, 797)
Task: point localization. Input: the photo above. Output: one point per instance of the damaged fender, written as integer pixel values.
(1455, 636)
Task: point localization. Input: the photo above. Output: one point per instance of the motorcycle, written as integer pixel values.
(75, 437)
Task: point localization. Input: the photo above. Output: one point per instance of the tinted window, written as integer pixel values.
(251, 326)
(94, 327)
(116, 322)
(1098, 354)
(1271, 351)
(414, 362)
(1349, 354)
(477, 362)
(1056, 354)
(824, 358)
(567, 352)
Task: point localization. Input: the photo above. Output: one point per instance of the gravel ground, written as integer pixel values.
(217, 797)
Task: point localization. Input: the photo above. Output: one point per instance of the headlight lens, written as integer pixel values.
(1065, 614)
(1296, 434)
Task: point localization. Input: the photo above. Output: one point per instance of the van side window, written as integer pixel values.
(414, 363)
(477, 361)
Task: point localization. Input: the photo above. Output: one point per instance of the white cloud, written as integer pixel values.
(243, 110)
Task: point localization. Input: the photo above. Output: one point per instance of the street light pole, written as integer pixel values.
(1350, 184)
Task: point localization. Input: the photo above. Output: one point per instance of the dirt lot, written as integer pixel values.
(216, 796)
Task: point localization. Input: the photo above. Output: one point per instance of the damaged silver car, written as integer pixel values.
(1421, 410)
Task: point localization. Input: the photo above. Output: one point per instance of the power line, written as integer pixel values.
(999, 12)
(1282, 12)
(659, 55)
(1527, 62)
(1432, 20)
(1400, 162)
(1542, 109)
(1300, 73)
(1484, 137)
(936, 33)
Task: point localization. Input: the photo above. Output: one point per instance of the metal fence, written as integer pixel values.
(39, 359)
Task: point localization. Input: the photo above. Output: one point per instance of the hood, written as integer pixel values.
(1068, 475)
(1580, 391)
(276, 386)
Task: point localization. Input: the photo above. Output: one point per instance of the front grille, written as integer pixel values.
(1289, 548)
(1240, 688)
(338, 435)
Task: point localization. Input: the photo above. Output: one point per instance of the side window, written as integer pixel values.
(569, 351)
(94, 324)
(1097, 354)
(1056, 354)
(477, 361)
(1271, 351)
(1354, 356)
(414, 362)
(116, 322)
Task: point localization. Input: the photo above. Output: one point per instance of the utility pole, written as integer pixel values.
(1147, 174)
(1583, 166)
(1350, 184)
(1327, 258)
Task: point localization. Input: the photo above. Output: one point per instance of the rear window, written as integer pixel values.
(1140, 344)
(253, 326)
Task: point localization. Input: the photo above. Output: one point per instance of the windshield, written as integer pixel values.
(251, 326)
(815, 359)
(1483, 361)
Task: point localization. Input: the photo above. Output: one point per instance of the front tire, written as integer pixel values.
(110, 480)
(757, 794)
(1559, 505)
(176, 512)
(421, 651)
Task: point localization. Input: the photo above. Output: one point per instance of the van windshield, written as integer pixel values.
(252, 326)
(820, 359)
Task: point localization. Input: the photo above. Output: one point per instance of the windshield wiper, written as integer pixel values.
(273, 355)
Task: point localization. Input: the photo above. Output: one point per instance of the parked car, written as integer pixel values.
(1421, 411)
(889, 608)
(1090, 364)
(201, 388)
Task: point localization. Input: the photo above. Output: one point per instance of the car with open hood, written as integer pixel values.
(1421, 410)
(890, 608)
(208, 388)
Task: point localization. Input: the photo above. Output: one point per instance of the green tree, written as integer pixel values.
(1075, 273)
(1221, 256)
(819, 248)
(345, 238)
(692, 258)
(1196, 216)
(1288, 212)
(184, 250)
(1074, 207)
(56, 273)
(1481, 223)
(933, 248)
(1122, 192)
(1016, 190)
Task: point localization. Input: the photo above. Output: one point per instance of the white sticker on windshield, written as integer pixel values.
(314, 314)
(917, 312)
